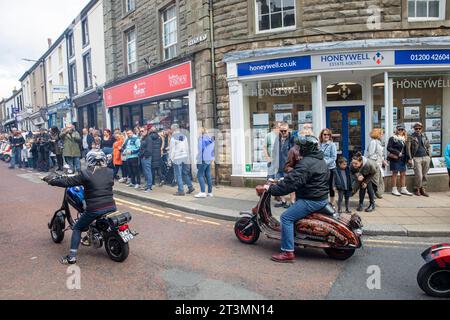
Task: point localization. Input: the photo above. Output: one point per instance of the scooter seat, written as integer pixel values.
(327, 210)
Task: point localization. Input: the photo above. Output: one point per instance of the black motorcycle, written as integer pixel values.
(110, 229)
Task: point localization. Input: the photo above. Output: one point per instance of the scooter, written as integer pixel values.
(112, 229)
(6, 152)
(434, 276)
(339, 235)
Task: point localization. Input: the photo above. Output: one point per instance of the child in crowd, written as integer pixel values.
(343, 184)
(27, 156)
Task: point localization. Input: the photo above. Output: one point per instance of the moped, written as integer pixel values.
(434, 276)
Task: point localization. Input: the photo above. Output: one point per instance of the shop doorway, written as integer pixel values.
(348, 127)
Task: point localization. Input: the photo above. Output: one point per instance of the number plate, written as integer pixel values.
(126, 235)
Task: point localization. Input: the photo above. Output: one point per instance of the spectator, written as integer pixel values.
(166, 170)
(179, 156)
(43, 148)
(156, 155)
(375, 152)
(205, 157)
(146, 157)
(107, 142)
(16, 141)
(271, 152)
(284, 143)
(34, 152)
(419, 153)
(71, 152)
(57, 147)
(367, 176)
(398, 157)
(117, 155)
(27, 155)
(87, 142)
(125, 176)
(330, 155)
(447, 160)
(343, 183)
(131, 149)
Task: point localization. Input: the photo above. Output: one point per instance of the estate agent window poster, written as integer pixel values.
(435, 150)
(433, 111)
(284, 117)
(260, 119)
(433, 124)
(434, 136)
(305, 117)
(439, 163)
(412, 113)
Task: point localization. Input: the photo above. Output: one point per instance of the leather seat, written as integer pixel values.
(327, 210)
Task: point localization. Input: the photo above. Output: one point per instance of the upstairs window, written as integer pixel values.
(131, 51)
(71, 44)
(275, 15)
(170, 37)
(426, 10)
(85, 32)
(87, 68)
(130, 5)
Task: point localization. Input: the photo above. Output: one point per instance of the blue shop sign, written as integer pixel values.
(274, 66)
(409, 57)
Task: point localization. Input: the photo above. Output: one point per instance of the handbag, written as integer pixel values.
(392, 156)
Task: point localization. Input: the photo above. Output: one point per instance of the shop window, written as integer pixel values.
(424, 98)
(165, 113)
(266, 104)
(99, 116)
(115, 118)
(275, 15)
(344, 91)
(423, 10)
(378, 101)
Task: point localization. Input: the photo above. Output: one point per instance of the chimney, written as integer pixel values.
(49, 40)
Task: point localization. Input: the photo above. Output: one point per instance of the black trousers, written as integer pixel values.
(371, 190)
(344, 195)
(448, 170)
(134, 171)
(43, 161)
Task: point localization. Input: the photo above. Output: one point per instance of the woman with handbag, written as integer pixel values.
(398, 158)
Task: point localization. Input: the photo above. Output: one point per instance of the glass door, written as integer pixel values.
(348, 127)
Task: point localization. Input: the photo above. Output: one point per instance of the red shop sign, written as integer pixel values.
(174, 79)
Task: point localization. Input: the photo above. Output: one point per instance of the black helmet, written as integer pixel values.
(308, 144)
(95, 158)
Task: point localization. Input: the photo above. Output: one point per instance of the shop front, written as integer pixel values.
(90, 111)
(59, 115)
(350, 89)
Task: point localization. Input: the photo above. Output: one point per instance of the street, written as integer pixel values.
(184, 256)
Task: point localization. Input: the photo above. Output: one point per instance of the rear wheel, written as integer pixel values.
(246, 230)
(339, 254)
(57, 230)
(116, 249)
(434, 281)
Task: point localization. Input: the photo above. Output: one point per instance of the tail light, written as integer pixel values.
(123, 228)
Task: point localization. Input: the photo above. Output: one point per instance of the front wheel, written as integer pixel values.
(246, 230)
(339, 254)
(434, 281)
(57, 230)
(116, 249)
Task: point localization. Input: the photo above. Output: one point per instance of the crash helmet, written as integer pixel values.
(308, 144)
(96, 158)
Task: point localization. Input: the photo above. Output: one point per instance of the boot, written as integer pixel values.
(370, 208)
(423, 192)
(395, 192)
(405, 191)
(283, 257)
(360, 207)
(417, 192)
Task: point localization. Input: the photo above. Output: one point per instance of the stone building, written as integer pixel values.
(158, 65)
(348, 65)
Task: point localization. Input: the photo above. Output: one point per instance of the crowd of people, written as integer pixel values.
(160, 156)
(362, 174)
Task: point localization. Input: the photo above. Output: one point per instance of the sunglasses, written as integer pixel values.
(418, 128)
(401, 129)
(327, 134)
(283, 131)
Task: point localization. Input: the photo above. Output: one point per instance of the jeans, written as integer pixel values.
(85, 220)
(133, 170)
(204, 169)
(147, 167)
(421, 167)
(30, 163)
(43, 161)
(74, 163)
(300, 209)
(344, 195)
(16, 157)
(181, 172)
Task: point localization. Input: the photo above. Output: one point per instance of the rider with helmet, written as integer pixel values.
(97, 180)
(309, 181)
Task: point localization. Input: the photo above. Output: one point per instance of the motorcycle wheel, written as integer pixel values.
(7, 159)
(116, 249)
(248, 236)
(434, 281)
(339, 254)
(57, 230)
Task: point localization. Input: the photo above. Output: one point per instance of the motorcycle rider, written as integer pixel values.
(97, 180)
(309, 181)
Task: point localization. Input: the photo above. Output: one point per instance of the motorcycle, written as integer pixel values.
(434, 276)
(339, 235)
(6, 152)
(111, 229)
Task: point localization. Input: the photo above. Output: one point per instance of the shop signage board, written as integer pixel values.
(274, 66)
(409, 57)
(352, 60)
(174, 79)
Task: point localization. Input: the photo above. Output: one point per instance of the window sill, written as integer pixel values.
(126, 14)
(425, 19)
(278, 30)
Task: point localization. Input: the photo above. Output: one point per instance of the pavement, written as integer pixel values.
(394, 216)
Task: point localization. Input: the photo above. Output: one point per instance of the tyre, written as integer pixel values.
(339, 254)
(116, 249)
(434, 281)
(7, 158)
(244, 233)
(57, 230)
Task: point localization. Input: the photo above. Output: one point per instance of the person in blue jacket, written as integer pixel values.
(131, 149)
(205, 157)
(447, 160)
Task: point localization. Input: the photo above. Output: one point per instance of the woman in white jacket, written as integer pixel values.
(375, 152)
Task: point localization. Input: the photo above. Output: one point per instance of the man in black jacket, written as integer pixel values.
(309, 181)
(146, 157)
(97, 180)
(16, 141)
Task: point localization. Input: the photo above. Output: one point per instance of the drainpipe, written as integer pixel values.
(214, 82)
(45, 95)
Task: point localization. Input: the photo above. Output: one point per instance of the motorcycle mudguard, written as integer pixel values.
(438, 255)
(58, 215)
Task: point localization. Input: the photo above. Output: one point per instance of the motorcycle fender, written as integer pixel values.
(248, 214)
(58, 215)
(438, 255)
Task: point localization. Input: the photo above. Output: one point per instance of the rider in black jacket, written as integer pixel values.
(97, 180)
(309, 180)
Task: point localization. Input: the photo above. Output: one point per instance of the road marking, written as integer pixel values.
(396, 242)
(138, 205)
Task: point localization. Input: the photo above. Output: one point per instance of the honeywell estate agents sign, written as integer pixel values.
(353, 60)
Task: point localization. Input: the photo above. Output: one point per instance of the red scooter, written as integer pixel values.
(339, 235)
(434, 276)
